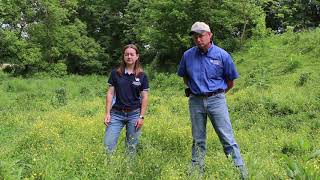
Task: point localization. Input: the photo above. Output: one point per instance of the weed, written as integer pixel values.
(60, 98)
(303, 78)
(291, 66)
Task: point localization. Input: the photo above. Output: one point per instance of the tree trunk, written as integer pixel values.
(243, 34)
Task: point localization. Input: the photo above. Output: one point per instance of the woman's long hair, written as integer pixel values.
(137, 66)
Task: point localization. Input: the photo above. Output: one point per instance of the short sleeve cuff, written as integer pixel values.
(236, 76)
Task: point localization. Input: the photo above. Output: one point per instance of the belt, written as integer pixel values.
(124, 109)
(213, 93)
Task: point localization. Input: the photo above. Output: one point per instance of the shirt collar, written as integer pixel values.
(210, 48)
(126, 71)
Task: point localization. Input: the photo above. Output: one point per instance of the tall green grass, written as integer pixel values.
(52, 128)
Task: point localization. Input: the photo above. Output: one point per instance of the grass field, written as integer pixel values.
(52, 128)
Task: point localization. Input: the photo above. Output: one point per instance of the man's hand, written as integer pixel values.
(230, 85)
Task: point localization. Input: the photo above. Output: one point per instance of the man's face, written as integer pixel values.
(202, 40)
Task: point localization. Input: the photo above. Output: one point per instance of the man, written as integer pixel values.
(209, 73)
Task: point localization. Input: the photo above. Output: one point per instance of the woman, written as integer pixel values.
(130, 86)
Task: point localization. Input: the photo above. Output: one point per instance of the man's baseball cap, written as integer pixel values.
(199, 27)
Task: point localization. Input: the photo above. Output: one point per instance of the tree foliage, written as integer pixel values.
(163, 26)
(41, 34)
(299, 14)
(82, 36)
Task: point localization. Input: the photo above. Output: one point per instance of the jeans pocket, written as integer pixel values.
(220, 95)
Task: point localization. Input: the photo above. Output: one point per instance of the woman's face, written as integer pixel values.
(130, 56)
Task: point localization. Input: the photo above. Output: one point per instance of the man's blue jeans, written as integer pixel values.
(216, 108)
(118, 121)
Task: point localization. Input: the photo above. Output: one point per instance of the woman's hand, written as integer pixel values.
(107, 119)
(139, 123)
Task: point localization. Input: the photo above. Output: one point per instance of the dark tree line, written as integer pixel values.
(85, 36)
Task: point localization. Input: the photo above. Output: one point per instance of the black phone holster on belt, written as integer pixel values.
(187, 92)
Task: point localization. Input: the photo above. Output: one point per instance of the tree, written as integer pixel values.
(248, 18)
(300, 14)
(15, 49)
(163, 26)
(50, 32)
(104, 19)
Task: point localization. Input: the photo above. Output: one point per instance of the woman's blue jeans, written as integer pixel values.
(118, 120)
(216, 108)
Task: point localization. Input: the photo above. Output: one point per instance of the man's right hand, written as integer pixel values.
(107, 119)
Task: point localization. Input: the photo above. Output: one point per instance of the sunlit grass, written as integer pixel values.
(53, 128)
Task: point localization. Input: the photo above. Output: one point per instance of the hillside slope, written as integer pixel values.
(277, 100)
(52, 128)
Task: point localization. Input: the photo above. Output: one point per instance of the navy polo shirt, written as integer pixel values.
(127, 89)
(207, 71)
